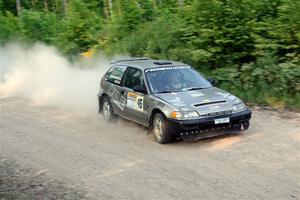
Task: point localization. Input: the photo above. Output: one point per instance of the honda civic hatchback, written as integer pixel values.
(170, 98)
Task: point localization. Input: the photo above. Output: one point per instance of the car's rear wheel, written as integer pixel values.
(107, 109)
(160, 129)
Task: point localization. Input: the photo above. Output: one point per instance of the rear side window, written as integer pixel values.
(133, 77)
(115, 74)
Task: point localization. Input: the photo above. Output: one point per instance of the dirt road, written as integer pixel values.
(55, 153)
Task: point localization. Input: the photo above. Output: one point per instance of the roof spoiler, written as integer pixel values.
(129, 59)
(162, 62)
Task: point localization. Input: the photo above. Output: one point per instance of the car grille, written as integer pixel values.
(215, 114)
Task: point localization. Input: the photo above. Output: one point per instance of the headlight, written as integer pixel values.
(238, 107)
(184, 114)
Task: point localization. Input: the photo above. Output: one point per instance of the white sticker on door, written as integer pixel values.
(135, 101)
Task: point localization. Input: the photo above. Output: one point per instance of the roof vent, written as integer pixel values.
(162, 62)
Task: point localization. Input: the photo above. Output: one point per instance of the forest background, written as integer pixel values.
(251, 47)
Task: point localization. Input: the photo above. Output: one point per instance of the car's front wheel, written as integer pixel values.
(160, 129)
(107, 109)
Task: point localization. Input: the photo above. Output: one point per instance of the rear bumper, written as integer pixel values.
(206, 127)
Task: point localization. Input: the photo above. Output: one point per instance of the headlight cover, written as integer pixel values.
(238, 107)
(184, 115)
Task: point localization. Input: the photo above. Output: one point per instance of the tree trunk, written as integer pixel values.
(65, 7)
(46, 5)
(105, 9)
(33, 4)
(110, 5)
(180, 3)
(108, 8)
(18, 6)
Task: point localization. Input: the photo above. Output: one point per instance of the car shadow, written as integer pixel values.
(213, 143)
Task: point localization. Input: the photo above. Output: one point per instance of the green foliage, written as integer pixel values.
(78, 31)
(252, 47)
(9, 26)
(38, 26)
(265, 81)
(156, 38)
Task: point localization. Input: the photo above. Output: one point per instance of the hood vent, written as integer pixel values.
(209, 103)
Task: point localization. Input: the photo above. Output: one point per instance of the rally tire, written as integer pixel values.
(160, 129)
(107, 110)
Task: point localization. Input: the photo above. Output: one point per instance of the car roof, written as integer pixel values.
(146, 63)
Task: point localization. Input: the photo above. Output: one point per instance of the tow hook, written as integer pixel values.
(242, 126)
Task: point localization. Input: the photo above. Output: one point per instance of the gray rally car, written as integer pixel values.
(171, 99)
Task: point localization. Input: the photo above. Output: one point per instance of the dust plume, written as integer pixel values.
(43, 75)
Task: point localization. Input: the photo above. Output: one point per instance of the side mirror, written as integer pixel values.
(140, 89)
(212, 81)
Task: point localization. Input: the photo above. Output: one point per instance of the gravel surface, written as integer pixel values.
(56, 153)
(19, 183)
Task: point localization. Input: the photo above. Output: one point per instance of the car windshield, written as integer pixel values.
(175, 79)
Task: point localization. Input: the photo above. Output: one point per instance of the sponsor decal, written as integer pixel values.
(176, 102)
(135, 101)
(196, 93)
(167, 68)
(224, 94)
(112, 91)
(160, 104)
(214, 107)
(122, 102)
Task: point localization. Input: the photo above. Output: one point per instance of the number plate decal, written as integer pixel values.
(222, 120)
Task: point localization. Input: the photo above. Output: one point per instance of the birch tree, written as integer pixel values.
(18, 6)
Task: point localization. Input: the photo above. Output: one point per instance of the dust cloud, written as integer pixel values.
(43, 75)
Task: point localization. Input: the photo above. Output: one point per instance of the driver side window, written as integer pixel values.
(133, 77)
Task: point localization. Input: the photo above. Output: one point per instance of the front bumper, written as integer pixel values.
(206, 127)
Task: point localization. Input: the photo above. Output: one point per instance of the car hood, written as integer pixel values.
(204, 101)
